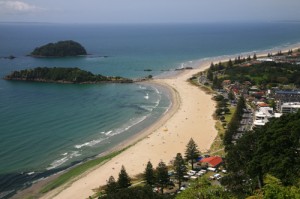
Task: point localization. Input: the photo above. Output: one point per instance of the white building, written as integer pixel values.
(290, 107)
(263, 115)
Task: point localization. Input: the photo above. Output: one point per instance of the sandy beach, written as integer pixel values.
(190, 116)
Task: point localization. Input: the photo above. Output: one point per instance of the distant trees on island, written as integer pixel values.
(59, 49)
(62, 75)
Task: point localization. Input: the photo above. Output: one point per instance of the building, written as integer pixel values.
(282, 97)
(290, 107)
(213, 161)
(263, 115)
(287, 96)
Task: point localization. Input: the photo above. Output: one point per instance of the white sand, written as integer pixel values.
(189, 117)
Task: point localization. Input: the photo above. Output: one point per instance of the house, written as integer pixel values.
(263, 115)
(213, 161)
(262, 104)
(290, 107)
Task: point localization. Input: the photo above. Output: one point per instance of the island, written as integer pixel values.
(63, 75)
(59, 49)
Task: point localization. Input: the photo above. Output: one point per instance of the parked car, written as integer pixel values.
(211, 169)
(217, 176)
(191, 172)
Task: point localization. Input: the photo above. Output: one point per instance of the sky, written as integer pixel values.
(148, 11)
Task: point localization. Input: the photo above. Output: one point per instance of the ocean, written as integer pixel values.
(46, 128)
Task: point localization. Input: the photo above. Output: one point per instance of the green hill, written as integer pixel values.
(59, 49)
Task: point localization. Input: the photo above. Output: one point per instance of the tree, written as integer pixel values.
(124, 179)
(230, 95)
(248, 58)
(191, 152)
(179, 168)
(230, 64)
(111, 186)
(203, 189)
(162, 176)
(137, 192)
(274, 189)
(272, 149)
(254, 56)
(149, 176)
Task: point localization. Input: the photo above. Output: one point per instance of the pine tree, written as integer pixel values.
(230, 64)
(191, 152)
(249, 58)
(124, 179)
(149, 176)
(162, 175)
(254, 56)
(210, 75)
(179, 168)
(111, 186)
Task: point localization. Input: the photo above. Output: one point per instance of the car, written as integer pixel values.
(191, 172)
(201, 172)
(217, 176)
(211, 169)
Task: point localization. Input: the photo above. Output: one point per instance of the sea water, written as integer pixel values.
(45, 128)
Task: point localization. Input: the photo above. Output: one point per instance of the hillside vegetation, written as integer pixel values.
(59, 49)
(62, 75)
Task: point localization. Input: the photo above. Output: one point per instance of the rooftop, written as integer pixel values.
(213, 161)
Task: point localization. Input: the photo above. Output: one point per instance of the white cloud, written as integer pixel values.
(15, 7)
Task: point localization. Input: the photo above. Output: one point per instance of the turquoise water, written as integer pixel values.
(48, 127)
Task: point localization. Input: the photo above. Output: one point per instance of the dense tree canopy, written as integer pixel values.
(203, 189)
(61, 75)
(262, 74)
(138, 192)
(273, 149)
(59, 49)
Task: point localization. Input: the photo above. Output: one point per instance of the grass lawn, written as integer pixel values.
(77, 171)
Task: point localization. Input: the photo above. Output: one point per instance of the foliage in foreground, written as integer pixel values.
(203, 189)
(138, 192)
(273, 149)
(274, 189)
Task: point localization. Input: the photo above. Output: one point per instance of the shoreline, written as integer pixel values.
(152, 130)
(161, 141)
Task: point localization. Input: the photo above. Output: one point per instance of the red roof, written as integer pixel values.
(212, 161)
(262, 104)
